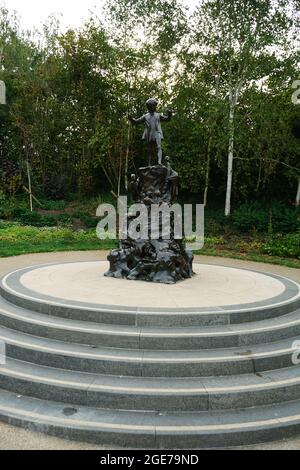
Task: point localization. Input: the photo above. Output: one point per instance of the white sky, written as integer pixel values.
(33, 13)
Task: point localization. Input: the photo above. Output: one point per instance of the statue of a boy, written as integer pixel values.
(153, 133)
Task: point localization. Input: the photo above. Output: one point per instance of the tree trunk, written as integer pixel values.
(29, 185)
(207, 174)
(119, 176)
(230, 157)
(127, 158)
(298, 194)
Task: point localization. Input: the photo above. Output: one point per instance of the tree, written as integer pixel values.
(238, 36)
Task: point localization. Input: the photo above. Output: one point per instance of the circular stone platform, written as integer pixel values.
(212, 287)
(206, 363)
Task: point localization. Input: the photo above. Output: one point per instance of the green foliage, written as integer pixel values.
(88, 220)
(216, 223)
(249, 216)
(68, 96)
(54, 205)
(35, 219)
(285, 220)
(277, 219)
(16, 239)
(10, 207)
(287, 246)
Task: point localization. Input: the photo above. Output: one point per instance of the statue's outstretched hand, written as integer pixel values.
(167, 116)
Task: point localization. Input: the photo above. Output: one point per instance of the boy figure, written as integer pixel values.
(153, 133)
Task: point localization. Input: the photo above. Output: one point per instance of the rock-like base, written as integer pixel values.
(164, 261)
(155, 260)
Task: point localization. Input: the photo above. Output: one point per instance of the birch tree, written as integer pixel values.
(243, 34)
(298, 193)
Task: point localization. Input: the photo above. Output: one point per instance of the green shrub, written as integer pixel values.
(4, 224)
(35, 219)
(285, 219)
(283, 245)
(215, 221)
(54, 205)
(63, 219)
(87, 219)
(278, 219)
(9, 207)
(250, 216)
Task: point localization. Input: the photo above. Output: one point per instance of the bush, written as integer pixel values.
(283, 245)
(250, 216)
(88, 220)
(277, 219)
(285, 219)
(9, 206)
(35, 219)
(62, 219)
(216, 222)
(54, 205)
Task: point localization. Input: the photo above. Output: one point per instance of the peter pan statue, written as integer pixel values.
(153, 133)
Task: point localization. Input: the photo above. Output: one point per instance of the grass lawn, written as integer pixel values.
(17, 239)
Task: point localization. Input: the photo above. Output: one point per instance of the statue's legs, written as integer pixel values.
(151, 151)
(159, 150)
(154, 148)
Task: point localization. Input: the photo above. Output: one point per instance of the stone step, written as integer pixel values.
(147, 394)
(13, 291)
(152, 430)
(181, 363)
(150, 377)
(119, 336)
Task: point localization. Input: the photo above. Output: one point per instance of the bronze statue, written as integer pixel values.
(153, 133)
(134, 187)
(172, 182)
(157, 253)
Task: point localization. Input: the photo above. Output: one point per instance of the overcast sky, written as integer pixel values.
(34, 12)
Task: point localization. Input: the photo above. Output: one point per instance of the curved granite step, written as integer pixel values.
(152, 430)
(142, 393)
(181, 363)
(151, 378)
(12, 290)
(121, 336)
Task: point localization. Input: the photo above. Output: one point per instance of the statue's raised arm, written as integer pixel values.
(136, 121)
